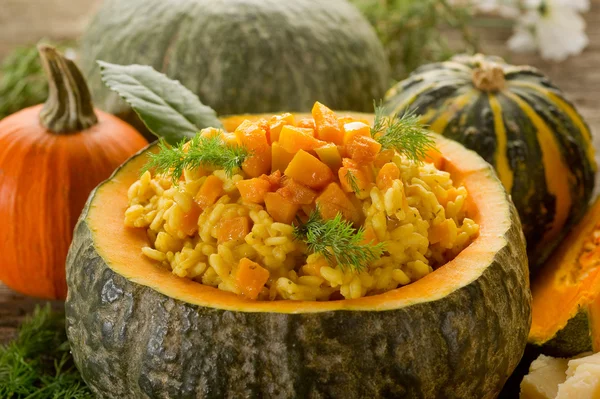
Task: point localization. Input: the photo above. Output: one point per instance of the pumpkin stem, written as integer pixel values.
(69, 107)
(489, 76)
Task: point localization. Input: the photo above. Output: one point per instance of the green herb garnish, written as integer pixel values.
(337, 241)
(353, 182)
(200, 151)
(38, 364)
(380, 118)
(405, 134)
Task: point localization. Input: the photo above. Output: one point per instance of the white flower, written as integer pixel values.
(555, 27)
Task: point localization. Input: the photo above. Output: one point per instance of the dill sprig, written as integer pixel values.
(337, 241)
(353, 182)
(209, 151)
(380, 118)
(38, 364)
(405, 134)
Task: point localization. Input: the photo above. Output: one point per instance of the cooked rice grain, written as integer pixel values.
(421, 219)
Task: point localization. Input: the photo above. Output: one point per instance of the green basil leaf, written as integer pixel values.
(167, 108)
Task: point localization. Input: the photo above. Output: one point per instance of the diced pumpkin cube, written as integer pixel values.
(233, 229)
(353, 129)
(274, 180)
(307, 210)
(297, 193)
(369, 236)
(293, 139)
(333, 200)
(308, 123)
(308, 170)
(438, 233)
(211, 190)
(345, 178)
(330, 155)
(343, 152)
(253, 137)
(365, 172)
(264, 125)
(363, 149)
(257, 164)
(277, 122)
(383, 157)
(360, 177)
(386, 176)
(189, 225)
(288, 118)
(253, 190)
(350, 163)
(353, 118)
(250, 278)
(328, 126)
(281, 209)
(280, 158)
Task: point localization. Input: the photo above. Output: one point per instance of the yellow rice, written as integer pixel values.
(402, 218)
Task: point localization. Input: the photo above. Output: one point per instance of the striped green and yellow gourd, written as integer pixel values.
(518, 121)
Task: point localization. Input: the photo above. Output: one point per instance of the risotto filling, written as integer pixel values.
(230, 217)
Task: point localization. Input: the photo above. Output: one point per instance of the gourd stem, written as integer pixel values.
(489, 77)
(69, 107)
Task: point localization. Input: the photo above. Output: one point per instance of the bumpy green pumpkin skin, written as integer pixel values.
(570, 341)
(243, 56)
(446, 90)
(130, 341)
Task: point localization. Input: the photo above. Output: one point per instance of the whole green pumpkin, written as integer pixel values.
(138, 331)
(243, 56)
(519, 122)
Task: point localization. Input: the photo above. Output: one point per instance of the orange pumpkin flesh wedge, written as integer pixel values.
(566, 293)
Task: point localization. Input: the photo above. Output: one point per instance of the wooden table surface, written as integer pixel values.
(579, 77)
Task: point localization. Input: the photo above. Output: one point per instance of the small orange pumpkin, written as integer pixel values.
(51, 157)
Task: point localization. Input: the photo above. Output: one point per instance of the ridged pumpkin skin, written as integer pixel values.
(45, 180)
(566, 294)
(520, 123)
(46, 175)
(243, 55)
(137, 331)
